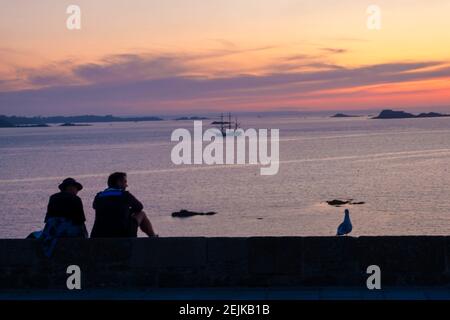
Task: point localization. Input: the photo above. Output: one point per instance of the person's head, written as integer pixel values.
(70, 185)
(118, 180)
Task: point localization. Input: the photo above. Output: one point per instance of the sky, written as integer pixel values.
(160, 57)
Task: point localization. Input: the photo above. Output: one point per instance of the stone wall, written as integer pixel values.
(210, 262)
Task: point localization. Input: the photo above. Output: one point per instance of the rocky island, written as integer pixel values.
(5, 124)
(70, 124)
(391, 114)
(66, 121)
(191, 118)
(343, 115)
(39, 125)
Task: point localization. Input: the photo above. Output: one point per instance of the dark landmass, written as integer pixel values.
(5, 124)
(432, 115)
(186, 214)
(220, 122)
(338, 203)
(41, 125)
(343, 115)
(14, 120)
(137, 119)
(191, 118)
(391, 114)
(69, 124)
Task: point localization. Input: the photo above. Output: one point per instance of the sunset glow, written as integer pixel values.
(156, 57)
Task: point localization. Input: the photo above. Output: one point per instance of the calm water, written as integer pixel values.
(400, 168)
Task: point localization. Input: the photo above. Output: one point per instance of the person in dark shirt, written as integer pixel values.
(66, 204)
(118, 214)
(65, 215)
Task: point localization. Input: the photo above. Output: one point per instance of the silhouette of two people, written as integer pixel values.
(118, 214)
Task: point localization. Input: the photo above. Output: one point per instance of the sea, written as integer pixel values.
(399, 169)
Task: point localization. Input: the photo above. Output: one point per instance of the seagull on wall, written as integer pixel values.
(346, 226)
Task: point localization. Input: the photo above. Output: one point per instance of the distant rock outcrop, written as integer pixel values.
(69, 124)
(432, 115)
(391, 114)
(191, 118)
(338, 203)
(343, 115)
(186, 213)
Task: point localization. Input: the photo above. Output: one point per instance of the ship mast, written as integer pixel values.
(221, 123)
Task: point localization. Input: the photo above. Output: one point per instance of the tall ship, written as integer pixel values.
(227, 126)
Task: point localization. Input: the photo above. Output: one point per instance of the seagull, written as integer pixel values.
(346, 226)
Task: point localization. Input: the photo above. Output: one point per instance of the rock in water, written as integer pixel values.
(336, 202)
(186, 213)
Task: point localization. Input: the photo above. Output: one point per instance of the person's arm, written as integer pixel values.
(49, 209)
(135, 205)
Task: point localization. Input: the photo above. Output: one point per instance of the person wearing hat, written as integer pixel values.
(65, 215)
(66, 203)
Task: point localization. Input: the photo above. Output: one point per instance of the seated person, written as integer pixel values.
(65, 215)
(118, 214)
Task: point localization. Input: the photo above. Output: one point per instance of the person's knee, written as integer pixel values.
(140, 216)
